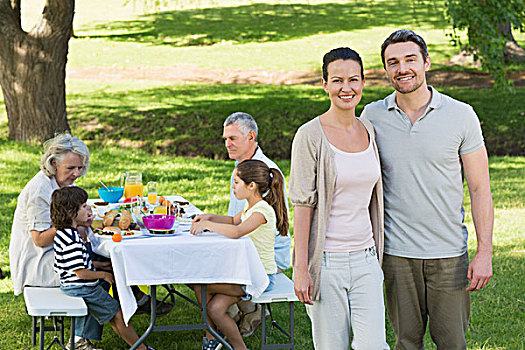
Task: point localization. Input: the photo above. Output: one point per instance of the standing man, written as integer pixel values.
(426, 142)
(240, 138)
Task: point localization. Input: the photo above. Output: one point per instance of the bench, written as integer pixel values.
(52, 302)
(282, 291)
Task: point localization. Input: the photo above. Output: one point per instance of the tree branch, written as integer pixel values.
(57, 19)
(10, 27)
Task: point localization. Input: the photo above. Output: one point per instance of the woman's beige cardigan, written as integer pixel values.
(312, 183)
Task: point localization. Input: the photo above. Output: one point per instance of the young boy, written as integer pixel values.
(78, 277)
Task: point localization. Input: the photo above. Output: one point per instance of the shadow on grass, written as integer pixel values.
(264, 22)
(186, 120)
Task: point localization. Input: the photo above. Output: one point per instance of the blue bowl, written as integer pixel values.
(111, 196)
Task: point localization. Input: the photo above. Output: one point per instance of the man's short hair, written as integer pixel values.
(403, 36)
(245, 122)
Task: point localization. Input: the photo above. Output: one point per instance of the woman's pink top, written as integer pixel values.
(349, 227)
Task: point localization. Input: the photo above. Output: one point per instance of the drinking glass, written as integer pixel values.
(152, 192)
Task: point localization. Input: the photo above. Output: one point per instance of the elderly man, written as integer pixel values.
(427, 142)
(240, 139)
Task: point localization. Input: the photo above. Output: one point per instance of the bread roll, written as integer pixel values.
(109, 217)
(125, 220)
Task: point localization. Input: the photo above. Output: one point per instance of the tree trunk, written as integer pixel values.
(513, 52)
(33, 70)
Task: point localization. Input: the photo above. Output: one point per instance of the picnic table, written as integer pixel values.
(180, 258)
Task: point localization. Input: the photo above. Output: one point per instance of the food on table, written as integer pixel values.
(110, 217)
(117, 237)
(125, 220)
(97, 224)
(110, 230)
(160, 210)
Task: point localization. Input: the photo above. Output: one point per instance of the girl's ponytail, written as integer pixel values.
(270, 182)
(275, 198)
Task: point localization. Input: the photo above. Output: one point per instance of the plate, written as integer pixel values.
(135, 234)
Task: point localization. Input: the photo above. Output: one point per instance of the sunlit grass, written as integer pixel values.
(495, 321)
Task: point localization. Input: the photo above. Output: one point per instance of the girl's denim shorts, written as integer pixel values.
(271, 277)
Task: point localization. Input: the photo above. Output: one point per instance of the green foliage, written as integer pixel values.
(483, 20)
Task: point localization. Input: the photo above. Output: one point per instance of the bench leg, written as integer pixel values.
(291, 326)
(42, 330)
(263, 325)
(62, 330)
(33, 334)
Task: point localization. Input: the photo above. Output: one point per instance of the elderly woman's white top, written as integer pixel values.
(32, 265)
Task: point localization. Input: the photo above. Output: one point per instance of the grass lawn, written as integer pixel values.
(497, 312)
(249, 34)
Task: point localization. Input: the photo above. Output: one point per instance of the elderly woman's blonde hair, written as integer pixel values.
(57, 147)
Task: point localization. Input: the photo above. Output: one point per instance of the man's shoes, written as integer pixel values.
(82, 344)
(162, 308)
(251, 321)
(210, 344)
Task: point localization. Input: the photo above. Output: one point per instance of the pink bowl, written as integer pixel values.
(159, 222)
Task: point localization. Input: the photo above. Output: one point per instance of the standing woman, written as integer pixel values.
(31, 254)
(336, 189)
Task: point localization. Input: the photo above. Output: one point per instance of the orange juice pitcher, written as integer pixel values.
(132, 183)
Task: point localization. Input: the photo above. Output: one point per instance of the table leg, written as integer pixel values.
(204, 300)
(153, 300)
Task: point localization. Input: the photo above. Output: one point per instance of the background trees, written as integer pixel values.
(489, 25)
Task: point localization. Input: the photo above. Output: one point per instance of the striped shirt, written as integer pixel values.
(71, 254)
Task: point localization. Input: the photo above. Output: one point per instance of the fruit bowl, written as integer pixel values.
(159, 221)
(111, 194)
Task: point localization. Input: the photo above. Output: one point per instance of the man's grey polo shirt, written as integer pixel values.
(422, 174)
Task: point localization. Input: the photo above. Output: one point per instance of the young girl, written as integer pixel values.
(73, 264)
(265, 211)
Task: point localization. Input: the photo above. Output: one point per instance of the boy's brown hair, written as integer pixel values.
(65, 203)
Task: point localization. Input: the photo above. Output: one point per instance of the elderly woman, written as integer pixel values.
(31, 255)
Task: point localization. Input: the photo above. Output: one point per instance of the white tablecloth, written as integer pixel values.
(182, 258)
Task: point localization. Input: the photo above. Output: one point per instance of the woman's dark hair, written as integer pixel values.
(341, 53)
(269, 181)
(403, 36)
(65, 203)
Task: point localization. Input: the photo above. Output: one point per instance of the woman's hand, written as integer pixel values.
(303, 287)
